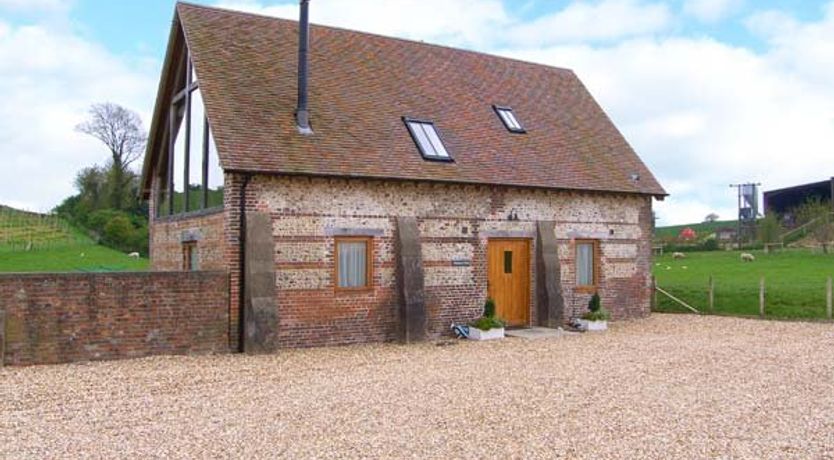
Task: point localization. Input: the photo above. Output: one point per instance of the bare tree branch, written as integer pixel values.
(121, 131)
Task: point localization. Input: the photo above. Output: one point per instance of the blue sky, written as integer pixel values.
(708, 92)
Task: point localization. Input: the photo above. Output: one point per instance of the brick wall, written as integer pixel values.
(56, 318)
(204, 229)
(456, 222)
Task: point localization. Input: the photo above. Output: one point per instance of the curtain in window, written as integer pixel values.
(585, 264)
(352, 264)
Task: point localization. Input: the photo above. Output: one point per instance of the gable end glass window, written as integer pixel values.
(428, 140)
(190, 178)
(508, 118)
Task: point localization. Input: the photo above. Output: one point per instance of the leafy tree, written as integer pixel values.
(118, 231)
(711, 217)
(768, 228)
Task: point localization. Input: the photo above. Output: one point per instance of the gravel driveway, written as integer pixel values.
(672, 386)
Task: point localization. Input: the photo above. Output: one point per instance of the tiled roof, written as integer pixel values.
(362, 85)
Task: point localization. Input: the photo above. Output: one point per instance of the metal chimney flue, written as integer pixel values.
(302, 114)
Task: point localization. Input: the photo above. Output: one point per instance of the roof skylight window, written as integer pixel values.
(508, 117)
(428, 140)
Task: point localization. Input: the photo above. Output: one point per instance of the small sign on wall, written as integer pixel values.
(461, 262)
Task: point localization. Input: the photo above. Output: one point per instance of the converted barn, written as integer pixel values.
(364, 188)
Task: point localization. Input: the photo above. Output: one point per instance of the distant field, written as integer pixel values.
(795, 282)
(701, 229)
(83, 258)
(31, 242)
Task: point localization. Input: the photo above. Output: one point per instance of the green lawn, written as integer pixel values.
(795, 282)
(88, 257)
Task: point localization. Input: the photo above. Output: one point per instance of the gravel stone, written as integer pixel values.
(671, 386)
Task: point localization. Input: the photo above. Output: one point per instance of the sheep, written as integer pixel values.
(133, 255)
(747, 257)
(678, 255)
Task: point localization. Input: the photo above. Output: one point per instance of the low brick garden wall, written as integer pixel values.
(59, 318)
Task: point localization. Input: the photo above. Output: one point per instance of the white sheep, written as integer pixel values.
(133, 255)
(678, 255)
(747, 257)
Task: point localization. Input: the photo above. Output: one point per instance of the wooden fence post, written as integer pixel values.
(654, 293)
(828, 298)
(762, 297)
(711, 293)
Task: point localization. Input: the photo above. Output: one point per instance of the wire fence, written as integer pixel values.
(773, 297)
(29, 231)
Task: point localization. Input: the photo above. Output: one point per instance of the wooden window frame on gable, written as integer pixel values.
(596, 265)
(180, 121)
(369, 263)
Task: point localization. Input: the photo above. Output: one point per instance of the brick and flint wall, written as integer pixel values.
(455, 222)
(69, 317)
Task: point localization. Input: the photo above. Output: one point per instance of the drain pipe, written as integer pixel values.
(242, 258)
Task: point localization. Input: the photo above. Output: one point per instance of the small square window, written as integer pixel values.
(428, 140)
(354, 262)
(508, 118)
(190, 259)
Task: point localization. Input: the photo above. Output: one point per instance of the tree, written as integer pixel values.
(768, 228)
(711, 217)
(121, 131)
(817, 215)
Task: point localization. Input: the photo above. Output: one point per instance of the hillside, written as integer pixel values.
(701, 229)
(32, 242)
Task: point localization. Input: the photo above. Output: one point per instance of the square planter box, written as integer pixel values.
(494, 333)
(594, 325)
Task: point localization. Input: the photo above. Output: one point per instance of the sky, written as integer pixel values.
(708, 92)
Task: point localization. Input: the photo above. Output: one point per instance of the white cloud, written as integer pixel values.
(477, 22)
(605, 20)
(704, 114)
(49, 78)
(35, 5)
(711, 10)
(469, 22)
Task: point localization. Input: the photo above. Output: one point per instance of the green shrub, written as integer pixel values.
(489, 308)
(486, 323)
(489, 320)
(595, 310)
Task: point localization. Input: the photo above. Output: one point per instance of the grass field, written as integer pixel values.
(31, 242)
(795, 282)
(84, 258)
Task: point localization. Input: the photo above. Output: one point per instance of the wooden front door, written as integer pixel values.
(508, 278)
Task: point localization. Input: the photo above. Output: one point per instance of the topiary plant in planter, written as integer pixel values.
(489, 326)
(596, 318)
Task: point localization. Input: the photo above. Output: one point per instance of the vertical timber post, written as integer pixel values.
(711, 293)
(550, 303)
(260, 311)
(411, 285)
(3, 336)
(828, 298)
(761, 297)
